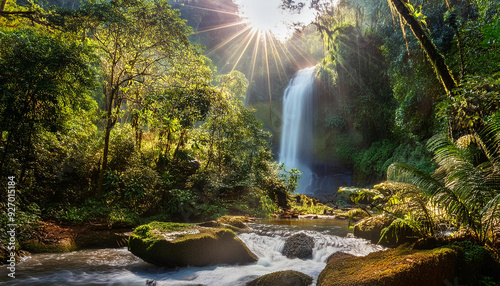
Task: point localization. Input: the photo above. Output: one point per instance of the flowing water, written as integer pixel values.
(296, 132)
(119, 267)
(318, 180)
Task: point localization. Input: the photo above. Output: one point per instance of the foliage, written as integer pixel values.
(474, 103)
(465, 184)
(305, 205)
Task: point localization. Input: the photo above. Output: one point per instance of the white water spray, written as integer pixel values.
(296, 133)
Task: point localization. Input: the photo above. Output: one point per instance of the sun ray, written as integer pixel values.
(212, 10)
(248, 28)
(274, 57)
(268, 81)
(248, 38)
(300, 53)
(290, 58)
(244, 50)
(279, 57)
(254, 59)
(220, 27)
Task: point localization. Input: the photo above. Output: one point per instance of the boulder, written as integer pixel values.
(235, 223)
(393, 267)
(299, 245)
(370, 228)
(179, 245)
(282, 278)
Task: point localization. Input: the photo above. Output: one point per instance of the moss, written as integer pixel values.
(187, 245)
(282, 278)
(234, 223)
(400, 266)
(65, 245)
(371, 227)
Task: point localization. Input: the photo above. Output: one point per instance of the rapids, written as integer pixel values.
(120, 267)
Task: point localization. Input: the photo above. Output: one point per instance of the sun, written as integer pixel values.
(267, 16)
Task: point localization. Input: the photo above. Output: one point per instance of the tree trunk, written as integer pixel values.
(2, 6)
(436, 59)
(106, 147)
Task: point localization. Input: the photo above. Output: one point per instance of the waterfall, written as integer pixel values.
(296, 133)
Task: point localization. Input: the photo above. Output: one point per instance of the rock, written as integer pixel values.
(370, 227)
(235, 223)
(150, 282)
(299, 245)
(339, 256)
(179, 245)
(393, 267)
(289, 214)
(282, 278)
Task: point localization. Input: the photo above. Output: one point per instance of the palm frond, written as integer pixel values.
(411, 175)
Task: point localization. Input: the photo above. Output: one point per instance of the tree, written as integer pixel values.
(436, 59)
(43, 79)
(137, 40)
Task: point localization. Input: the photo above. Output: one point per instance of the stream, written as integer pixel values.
(120, 267)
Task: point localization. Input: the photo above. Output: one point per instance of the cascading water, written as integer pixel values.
(296, 133)
(317, 179)
(120, 267)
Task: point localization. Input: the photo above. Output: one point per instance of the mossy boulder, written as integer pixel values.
(235, 223)
(282, 278)
(371, 227)
(178, 245)
(66, 244)
(400, 266)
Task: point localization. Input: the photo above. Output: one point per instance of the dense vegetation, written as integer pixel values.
(424, 78)
(110, 112)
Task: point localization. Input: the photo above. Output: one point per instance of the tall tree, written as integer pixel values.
(436, 59)
(42, 78)
(137, 40)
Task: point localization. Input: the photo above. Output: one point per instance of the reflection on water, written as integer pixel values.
(119, 267)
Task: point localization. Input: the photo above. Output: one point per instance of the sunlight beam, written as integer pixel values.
(240, 44)
(268, 81)
(254, 59)
(243, 52)
(286, 52)
(219, 27)
(279, 57)
(228, 40)
(274, 57)
(212, 10)
(300, 53)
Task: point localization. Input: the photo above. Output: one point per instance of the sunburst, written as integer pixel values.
(258, 39)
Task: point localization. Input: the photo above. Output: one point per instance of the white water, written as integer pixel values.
(119, 267)
(296, 132)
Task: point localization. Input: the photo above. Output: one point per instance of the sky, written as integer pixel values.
(266, 15)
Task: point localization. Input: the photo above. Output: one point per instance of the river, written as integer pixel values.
(120, 267)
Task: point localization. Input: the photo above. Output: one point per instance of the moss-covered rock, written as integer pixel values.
(62, 245)
(370, 228)
(235, 223)
(400, 266)
(282, 278)
(177, 245)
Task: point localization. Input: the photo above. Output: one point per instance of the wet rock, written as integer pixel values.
(282, 278)
(299, 245)
(179, 245)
